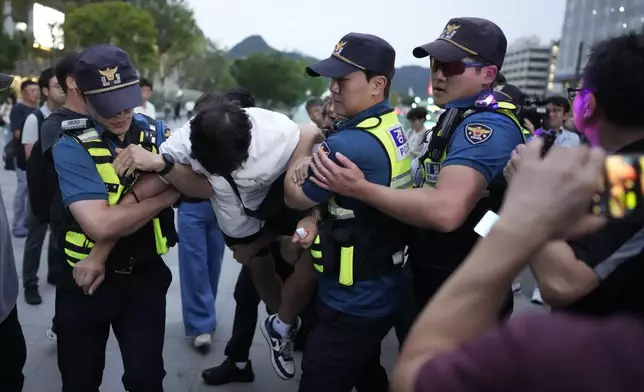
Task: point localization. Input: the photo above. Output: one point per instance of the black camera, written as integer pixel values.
(534, 110)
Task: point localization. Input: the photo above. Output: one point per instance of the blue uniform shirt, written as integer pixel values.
(487, 154)
(367, 298)
(77, 173)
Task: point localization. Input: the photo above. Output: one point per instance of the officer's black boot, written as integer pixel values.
(228, 372)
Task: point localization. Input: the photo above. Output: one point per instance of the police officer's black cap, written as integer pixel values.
(106, 76)
(513, 93)
(357, 52)
(5, 81)
(467, 37)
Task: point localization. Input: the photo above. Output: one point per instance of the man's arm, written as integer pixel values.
(443, 208)
(566, 272)
(29, 134)
(562, 278)
(295, 195)
(189, 182)
(469, 167)
(467, 303)
(148, 186)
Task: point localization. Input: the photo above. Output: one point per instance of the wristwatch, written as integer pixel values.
(169, 164)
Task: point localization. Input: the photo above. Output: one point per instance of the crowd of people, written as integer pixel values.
(346, 228)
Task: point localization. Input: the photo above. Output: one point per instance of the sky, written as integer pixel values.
(313, 28)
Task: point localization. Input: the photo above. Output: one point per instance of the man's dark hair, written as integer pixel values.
(370, 75)
(311, 103)
(416, 113)
(45, 77)
(220, 136)
(65, 68)
(614, 75)
(27, 83)
(143, 82)
(240, 96)
(558, 100)
(204, 99)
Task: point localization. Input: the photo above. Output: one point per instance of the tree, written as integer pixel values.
(207, 71)
(275, 80)
(10, 53)
(122, 24)
(178, 34)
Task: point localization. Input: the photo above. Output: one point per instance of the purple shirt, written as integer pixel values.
(549, 353)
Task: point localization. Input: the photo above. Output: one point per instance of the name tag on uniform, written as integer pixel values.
(399, 138)
(432, 170)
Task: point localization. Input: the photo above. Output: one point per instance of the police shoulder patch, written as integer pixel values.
(477, 133)
(325, 148)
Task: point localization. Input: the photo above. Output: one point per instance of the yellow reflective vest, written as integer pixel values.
(363, 243)
(77, 244)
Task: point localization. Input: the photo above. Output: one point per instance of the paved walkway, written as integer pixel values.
(183, 363)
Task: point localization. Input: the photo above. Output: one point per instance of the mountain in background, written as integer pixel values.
(409, 77)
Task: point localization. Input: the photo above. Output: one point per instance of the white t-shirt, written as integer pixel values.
(274, 139)
(148, 109)
(30, 131)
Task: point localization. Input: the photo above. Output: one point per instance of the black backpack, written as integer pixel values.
(42, 180)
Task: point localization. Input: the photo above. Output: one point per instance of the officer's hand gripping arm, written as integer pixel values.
(293, 194)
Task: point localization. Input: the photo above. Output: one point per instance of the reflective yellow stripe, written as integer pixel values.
(318, 267)
(346, 266)
(160, 240)
(81, 246)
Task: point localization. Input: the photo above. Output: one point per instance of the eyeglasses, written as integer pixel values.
(453, 68)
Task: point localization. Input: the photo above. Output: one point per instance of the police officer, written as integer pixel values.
(359, 251)
(115, 233)
(463, 164)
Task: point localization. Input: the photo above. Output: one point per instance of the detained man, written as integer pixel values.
(244, 154)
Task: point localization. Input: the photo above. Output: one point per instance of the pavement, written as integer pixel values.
(183, 363)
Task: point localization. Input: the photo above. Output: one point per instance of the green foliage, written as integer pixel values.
(10, 52)
(122, 24)
(275, 81)
(178, 33)
(207, 71)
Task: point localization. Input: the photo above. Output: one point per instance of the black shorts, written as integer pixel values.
(283, 223)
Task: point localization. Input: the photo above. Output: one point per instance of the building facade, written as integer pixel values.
(527, 65)
(587, 22)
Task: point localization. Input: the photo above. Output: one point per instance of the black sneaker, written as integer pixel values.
(281, 348)
(32, 296)
(228, 372)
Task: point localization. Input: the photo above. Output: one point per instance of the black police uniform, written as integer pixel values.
(132, 298)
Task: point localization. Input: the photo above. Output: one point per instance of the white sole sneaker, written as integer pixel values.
(203, 340)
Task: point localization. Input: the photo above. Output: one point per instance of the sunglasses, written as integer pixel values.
(453, 68)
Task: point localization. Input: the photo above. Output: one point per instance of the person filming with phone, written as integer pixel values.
(602, 273)
(558, 108)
